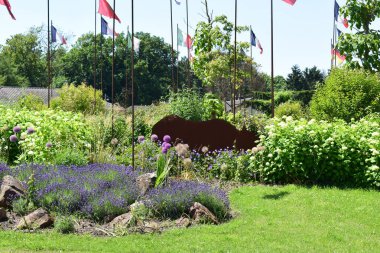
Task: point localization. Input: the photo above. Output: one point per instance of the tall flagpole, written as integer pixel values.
(113, 66)
(95, 61)
(251, 56)
(187, 42)
(171, 22)
(235, 70)
(272, 65)
(133, 85)
(101, 61)
(177, 61)
(48, 53)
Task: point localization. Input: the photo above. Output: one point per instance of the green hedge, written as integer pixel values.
(318, 152)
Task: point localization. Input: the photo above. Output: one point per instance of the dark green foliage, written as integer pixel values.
(347, 94)
(70, 156)
(296, 80)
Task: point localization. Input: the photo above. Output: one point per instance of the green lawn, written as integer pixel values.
(269, 219)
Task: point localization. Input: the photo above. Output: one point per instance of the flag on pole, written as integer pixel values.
(253, 39)
(339, 32)
(255, 42)
(260, 47)
(106, 29)
(136, 42)
(55, 33)
(8, 5)
(340, 58)
(106, 10)
(178, 2)
(291, 2)
(189, 42)
(336, 11)
(180, 40)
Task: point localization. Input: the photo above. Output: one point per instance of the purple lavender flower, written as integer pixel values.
(30, 130)
(13, 138)
(141, 139)
(49, 145)
(167, 138)
(17, 129)
(154, 138)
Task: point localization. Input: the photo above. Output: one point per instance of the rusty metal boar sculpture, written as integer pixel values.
(214, 134)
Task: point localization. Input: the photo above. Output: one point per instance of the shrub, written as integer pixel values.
(95, 191)
(289, 108)
(177, 197)
(79, 99)
(70, 156)
(187, 104)
(212, 107)
(347, 94)
(64, 225)
(41, 135)
(318, 152)
(31, 102)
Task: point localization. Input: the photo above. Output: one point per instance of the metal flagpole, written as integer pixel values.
(133, 86)
(48, 53)
(334, 36)
(188, 48)
(235, 70)
(171, 22)
(101, 61)
(251, 56)
(177, 61)
(272, 65)
(113, 66)
(95, 61)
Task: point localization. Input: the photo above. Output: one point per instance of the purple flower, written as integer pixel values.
(141, 139)
(154, 138)
(164, 150)
(167, 138)
(49, 145)
(13, 138)
(167, 145)
(17, 129)
(30, 130)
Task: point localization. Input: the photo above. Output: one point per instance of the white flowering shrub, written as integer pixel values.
(37, 136)
(320, 152)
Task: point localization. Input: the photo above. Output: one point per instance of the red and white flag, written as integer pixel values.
(189, 42)
(260, 47)
(106, 10)
(291, 2)
(8, 5)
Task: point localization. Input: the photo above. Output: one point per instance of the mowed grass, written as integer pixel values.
(269, 219)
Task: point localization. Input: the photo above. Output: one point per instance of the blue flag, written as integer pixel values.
(53, 34)
(336, 11)
(253, 39)
(104, 27)
(339, 32)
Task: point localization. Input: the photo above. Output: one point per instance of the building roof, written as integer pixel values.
(9, 95)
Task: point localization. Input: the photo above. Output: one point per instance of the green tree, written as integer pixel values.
(296, 80)
(361, 49)
(214, 53)
(25, 61)
(313, 76)
(347, 94)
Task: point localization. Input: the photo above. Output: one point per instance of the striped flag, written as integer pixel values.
(106, 29)
(291, 2)
(180, 40)
(340, 58)
(189, 42)
(55, 33)
(8, 5)
(255, 42)
(106, 10)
